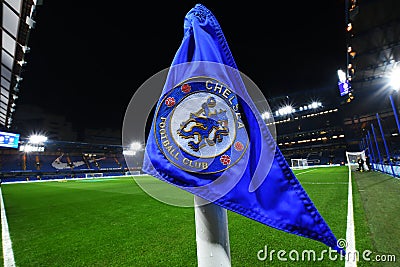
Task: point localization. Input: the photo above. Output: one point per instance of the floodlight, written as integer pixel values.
(286, 110)
(26, 49)
(128, 153)
(31, 148)
(37, 139)
(135, 146)
(266, 115)
(341, 75)
(315, 105)
(395, 79)
(133, 149)
(22, 63)
(18, 78)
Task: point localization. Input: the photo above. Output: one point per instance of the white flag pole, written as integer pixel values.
(212, 236)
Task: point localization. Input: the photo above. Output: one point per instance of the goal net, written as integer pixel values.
(352, 160)
(299, 163)
(93, 175)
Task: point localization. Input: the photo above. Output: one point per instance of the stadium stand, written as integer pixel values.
(45, 162)
(63, 160)
(11, 162)
(313, 130)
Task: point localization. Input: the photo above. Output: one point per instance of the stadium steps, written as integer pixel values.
(69, 162)
(96, 163)
(86, 161)
(37, 162)
(118, 163)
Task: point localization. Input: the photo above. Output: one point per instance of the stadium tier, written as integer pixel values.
(63, 160)
(21, 162)
(313, 132)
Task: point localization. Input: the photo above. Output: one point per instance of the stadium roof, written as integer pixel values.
(16, 23)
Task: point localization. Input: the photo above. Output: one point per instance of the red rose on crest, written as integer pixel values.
(170, 101)
(225, 159)
(238, 146)
(186, 88)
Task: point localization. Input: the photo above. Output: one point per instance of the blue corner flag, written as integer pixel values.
(209, 139)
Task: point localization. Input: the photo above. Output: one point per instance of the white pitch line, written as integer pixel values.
(324, 183)
(350, 235)
(8, 254)
(306, 171)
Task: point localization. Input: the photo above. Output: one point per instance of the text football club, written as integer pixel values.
(199, 127)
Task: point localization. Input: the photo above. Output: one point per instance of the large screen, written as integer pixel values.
(9, 139)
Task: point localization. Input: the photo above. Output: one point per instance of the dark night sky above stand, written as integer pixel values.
(87, 60)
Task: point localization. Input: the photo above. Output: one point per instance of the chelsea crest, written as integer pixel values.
(198, 126)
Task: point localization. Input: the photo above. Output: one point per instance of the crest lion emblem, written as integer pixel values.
(204, 126)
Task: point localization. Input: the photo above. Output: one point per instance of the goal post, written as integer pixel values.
(132, 173)
(299, 163)
(94, 175)
(352, 160)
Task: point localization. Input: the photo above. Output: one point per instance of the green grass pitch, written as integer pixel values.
(113, 222)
